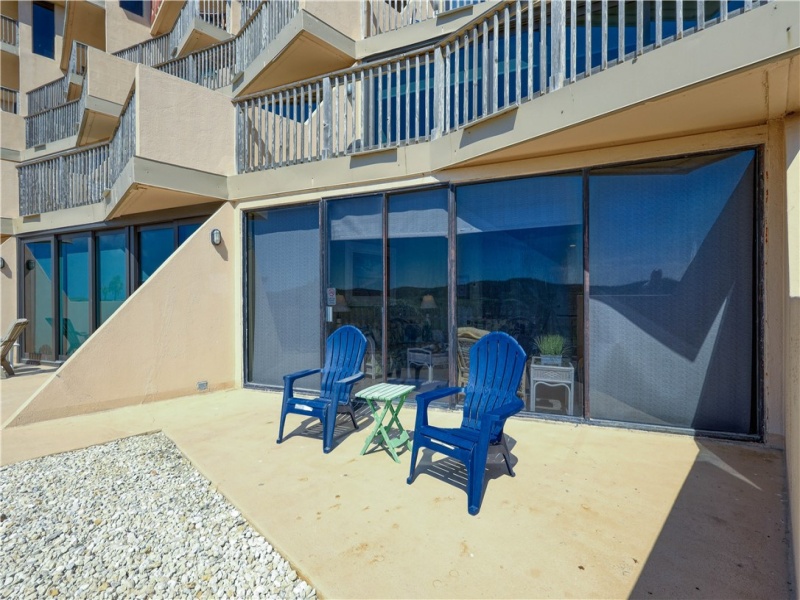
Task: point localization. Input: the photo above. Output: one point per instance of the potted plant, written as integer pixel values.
(551, 348)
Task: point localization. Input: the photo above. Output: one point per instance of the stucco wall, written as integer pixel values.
(38, 69)
(8, 284)
(9, 189)
(175, 331)
(792, 352)
(183, 124)
(12, 131)
(124, 29)
(345, 17)
(108, 77)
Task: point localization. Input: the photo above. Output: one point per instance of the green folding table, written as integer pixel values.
(388, 393)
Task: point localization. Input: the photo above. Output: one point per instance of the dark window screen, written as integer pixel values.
(283, 294)
(671, 315)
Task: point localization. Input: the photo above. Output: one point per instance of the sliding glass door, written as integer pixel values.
(671, 307)
(38, 308)
(520, 270)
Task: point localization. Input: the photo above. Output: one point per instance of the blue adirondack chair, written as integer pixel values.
(344, 352)
(497, 363)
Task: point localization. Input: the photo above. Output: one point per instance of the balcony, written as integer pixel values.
(54, 124)
(175, 152)
(79, 177)
(517, 52)
(9, 53)
(200, 23)
(9, 100)
(9, 34)
(390, 15)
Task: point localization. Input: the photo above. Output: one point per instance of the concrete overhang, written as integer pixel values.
(166, 16)
(666, 94)
(84, 21)
(285, 60)
(99, 120)
(147, 186)
(200, 35)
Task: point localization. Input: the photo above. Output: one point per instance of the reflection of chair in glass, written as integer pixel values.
(467, 336)
(497, 363)
(344, 354)
(8, 341)
(372, 361)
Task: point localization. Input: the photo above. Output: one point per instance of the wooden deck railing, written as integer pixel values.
(9, 31)
(78, 177)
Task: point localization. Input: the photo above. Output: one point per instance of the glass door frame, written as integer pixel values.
(324, 267)
(53, 241)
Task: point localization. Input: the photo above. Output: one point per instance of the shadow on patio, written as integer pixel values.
(592, 512)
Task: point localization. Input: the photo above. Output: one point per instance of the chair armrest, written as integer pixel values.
(501, 413)
(293, 376)
(352, 379)
(288, 381)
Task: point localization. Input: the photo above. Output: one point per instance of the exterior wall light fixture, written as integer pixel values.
(2, 263)
(216, 237)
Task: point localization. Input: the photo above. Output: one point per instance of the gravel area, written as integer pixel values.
(130, 519)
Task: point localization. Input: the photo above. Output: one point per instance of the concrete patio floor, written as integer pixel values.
(592, 512)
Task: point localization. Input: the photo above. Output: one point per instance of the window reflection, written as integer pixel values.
(112, 257)
(74, 310)
(155, 246)
(38, 282)
(520, 270)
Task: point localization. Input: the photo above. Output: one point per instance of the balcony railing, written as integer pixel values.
(79, 177)
(248, 8)
(9, 31)
(47, 96)
(9, 100)
(216, 66)
(162, 48)
(53, 124)
(77, 59)
(213, 67)
(388, 15)
(518, 51)
(266, 23)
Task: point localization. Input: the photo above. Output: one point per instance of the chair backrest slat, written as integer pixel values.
(344, 353)
(497, 363)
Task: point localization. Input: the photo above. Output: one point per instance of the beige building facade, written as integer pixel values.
(620, 176)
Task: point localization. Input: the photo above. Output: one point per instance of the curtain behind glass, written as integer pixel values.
(283, 264)
(671, 297)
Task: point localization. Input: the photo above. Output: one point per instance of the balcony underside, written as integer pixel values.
(146, 186)
(84, 22)
(168, 13)
(286, 59)
(201, 35)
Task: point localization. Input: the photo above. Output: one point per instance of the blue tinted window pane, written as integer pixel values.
(133, 6)
(283, 294)
(38, 309)
(74, 309)
(671, 297)
(111, 273)
(184, 231)
(155, 246)
(355, 265)
(418, 289)
(520, 270)
(44, 29)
